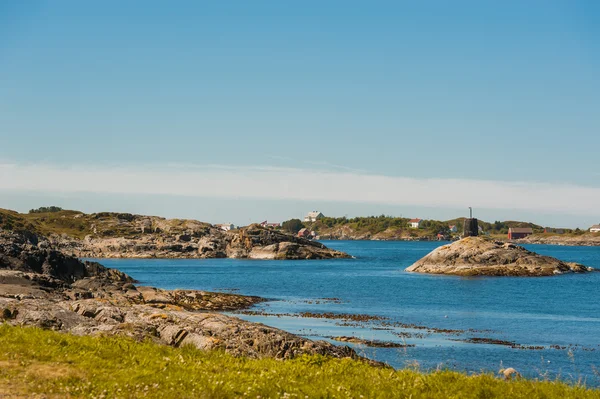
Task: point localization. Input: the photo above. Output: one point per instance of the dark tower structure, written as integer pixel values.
(471, 228)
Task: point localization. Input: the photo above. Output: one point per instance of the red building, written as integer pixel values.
(515, 233)
(304, 233)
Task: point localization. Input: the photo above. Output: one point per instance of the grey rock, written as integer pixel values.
(198, 241)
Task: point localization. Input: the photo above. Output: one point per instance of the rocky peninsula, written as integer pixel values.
(124, 235)
(478, 256)
(43, 287)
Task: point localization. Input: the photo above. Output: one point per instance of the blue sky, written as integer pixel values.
(478, 93)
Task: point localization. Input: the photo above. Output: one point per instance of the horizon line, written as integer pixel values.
(279, 183)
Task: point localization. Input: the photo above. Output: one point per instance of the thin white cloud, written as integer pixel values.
(320, 164)
(280, 158)
(335, 166)
(267, 182)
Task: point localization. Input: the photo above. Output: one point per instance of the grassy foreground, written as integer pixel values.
(34, 361)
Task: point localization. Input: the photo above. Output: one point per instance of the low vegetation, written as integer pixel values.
(54, 220)
(46, 209)
(372, 224)
(397, 227)
(72, 223)
(35, 361)
(292, 226)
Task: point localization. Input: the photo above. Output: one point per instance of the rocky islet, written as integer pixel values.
(479, 256)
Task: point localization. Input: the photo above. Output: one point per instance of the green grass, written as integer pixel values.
(72, 223)
(393, 227)
(34, 361)
(78, 224)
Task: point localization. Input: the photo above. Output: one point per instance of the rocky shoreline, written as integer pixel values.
(125, 235)
(43, 287)
(252, 242)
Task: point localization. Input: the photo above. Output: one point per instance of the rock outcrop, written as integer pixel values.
(478, 256)
(256, 242)
(253, 242)
(27, 256)
(42, 287)
(125, 235)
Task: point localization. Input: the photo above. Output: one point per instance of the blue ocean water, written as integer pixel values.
(546, 311)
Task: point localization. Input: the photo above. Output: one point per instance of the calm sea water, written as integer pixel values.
(561, 310)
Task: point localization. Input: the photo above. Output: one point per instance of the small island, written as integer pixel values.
(479, 256)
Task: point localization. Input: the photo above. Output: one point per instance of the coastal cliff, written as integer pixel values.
(43, 287)
(478, 256)
(124, 235)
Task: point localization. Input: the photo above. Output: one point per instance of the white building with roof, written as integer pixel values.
(595, 228)
(313, 216)
(415, 223)
(225, 226)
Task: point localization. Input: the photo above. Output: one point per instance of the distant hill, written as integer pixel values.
(125, 235)
(389, 228)
(103, 224)
(76, 224)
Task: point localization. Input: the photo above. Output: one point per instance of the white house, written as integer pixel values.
(225, 226)
(453, 228)
(595, 228)
(415, 223)
(313, 216)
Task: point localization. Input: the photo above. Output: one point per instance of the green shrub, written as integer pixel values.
(46, 209)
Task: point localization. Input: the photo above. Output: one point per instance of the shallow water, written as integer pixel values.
(543, 311)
